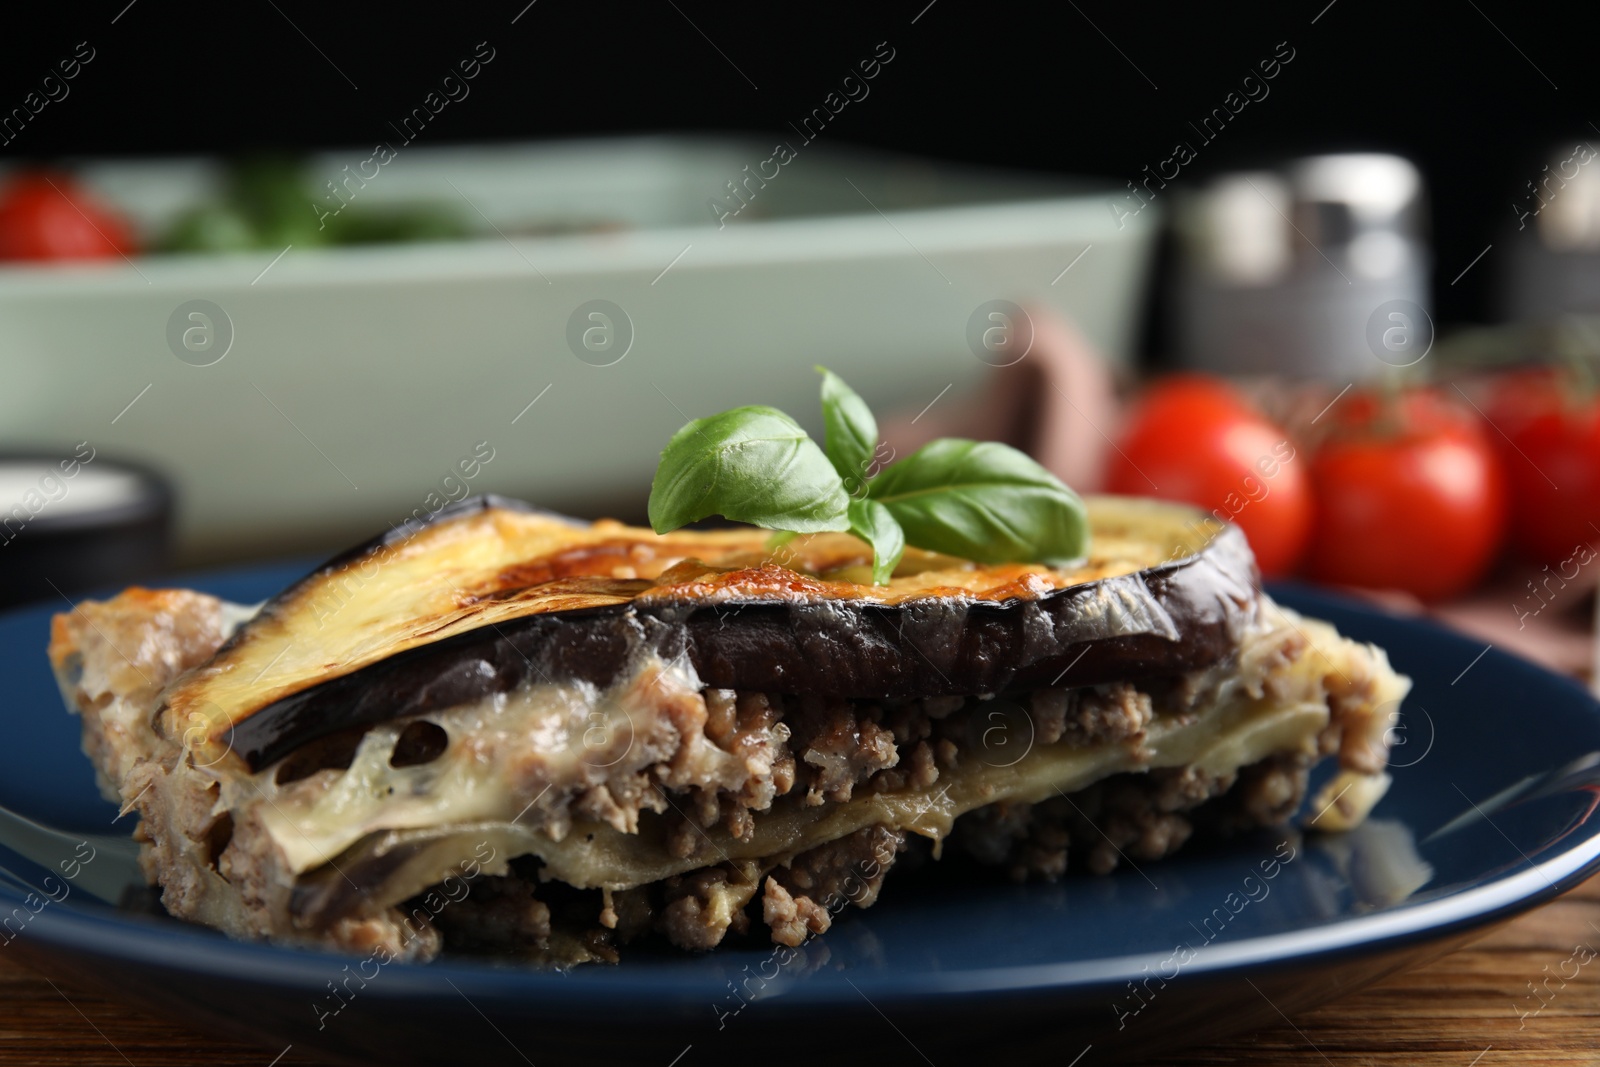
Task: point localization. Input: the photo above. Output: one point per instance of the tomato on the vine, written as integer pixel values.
(50, 216)
(1194, 439)
(1410, 496)
(1551, 450)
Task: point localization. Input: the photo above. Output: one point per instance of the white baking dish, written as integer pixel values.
(358, 379)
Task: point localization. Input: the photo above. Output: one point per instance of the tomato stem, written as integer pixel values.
(1389, 420)
(1577, 347)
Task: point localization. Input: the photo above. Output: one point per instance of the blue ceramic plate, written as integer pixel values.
(1491, 812)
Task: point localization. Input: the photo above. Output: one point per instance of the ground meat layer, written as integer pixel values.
(1131, 817)
(1126, 818)
(833, 749)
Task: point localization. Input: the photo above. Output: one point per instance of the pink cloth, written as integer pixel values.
(1553, 627)
(1056, 403)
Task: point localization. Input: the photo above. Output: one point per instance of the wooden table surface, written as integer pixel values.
(1461, 1011)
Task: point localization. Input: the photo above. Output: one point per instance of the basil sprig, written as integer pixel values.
(979, 500)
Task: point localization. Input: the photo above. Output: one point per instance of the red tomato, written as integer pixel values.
(1194, 439)
(48, 216)
(1410, 496)
(1549, 436)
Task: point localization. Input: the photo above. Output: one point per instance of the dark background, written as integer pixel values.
(1041, 88)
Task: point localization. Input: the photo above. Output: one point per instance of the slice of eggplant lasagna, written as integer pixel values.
(601, 732)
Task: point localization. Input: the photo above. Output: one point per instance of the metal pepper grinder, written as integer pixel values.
(1308, 271)
(1553, 269)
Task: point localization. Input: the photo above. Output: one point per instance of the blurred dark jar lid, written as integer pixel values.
(75, 519)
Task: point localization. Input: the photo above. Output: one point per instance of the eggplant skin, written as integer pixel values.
(1176, 616)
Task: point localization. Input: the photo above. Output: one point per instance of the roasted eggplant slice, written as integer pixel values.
(508, 698)
(488, 598)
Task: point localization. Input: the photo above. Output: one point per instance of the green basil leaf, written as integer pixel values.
(982, 501)
(850, 433)
(751, 464)
(872, 522)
